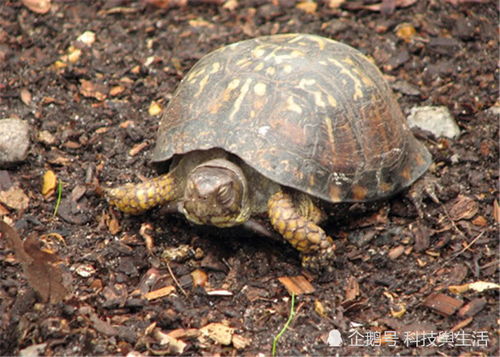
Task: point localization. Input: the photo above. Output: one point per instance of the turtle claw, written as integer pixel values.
(426, 186)
(319, 261)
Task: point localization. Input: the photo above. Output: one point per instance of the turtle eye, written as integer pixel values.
(225, 194)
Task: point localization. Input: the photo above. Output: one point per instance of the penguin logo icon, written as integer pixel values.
(334, 338)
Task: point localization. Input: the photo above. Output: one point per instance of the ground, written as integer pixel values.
(93, 110)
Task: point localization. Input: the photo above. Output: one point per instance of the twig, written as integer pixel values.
(175, 280)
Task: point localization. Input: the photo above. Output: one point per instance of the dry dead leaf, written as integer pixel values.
(398, 310)
(38, 265)
(240, 342)
(319, 308)
(14, 198)
(478, 286)
(38, 6)
(49, 183)
(218, 332)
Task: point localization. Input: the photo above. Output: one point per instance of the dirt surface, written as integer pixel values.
(91, 107)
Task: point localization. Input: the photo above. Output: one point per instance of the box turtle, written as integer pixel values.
(279, 125)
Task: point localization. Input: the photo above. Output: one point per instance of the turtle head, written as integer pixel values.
(216, 193)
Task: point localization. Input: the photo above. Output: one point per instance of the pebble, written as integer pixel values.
(14, 141)
(437, 120)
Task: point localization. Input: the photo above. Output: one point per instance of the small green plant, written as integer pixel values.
(290, 318)
(59, 196)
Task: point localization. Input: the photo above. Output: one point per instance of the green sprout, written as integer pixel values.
(290, 318)
(59, 196)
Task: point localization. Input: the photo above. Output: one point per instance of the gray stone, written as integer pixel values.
(437, 120)
(14, 141)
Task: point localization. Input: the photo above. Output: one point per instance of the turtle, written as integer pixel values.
(281, 125)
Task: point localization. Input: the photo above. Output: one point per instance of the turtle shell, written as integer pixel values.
(304, 111)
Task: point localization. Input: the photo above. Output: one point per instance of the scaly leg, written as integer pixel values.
(297, 223)
(138, 198)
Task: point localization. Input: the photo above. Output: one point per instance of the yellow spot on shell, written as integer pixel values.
(406, 173)
(287, 68)
(318, 100)
(306, 82)
(202, 85)
(331, 100)
(258, 52)
(270, 71)
(259, 67)
(359, 192)
(295, 54)
(192, 76)
(260, 88)
(243, 62)
(291, 105)
(384, 187)
(243, 92)
(233, 84)
(358, 93)
(215, 67)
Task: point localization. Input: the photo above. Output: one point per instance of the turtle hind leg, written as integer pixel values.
(137, 198)
(298, 226)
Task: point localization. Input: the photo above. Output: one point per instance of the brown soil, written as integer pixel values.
(96, 110)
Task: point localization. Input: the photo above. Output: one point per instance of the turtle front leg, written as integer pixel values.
(137, 198)
(297, 223)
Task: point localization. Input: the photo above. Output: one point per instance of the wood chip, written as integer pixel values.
(352, 289)
(396, 252)
(443, 304)
(297, 285)
(461, 324)
(25, 96)
(138, 148)
(162, 292)
(463, 207)
(472, 308)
